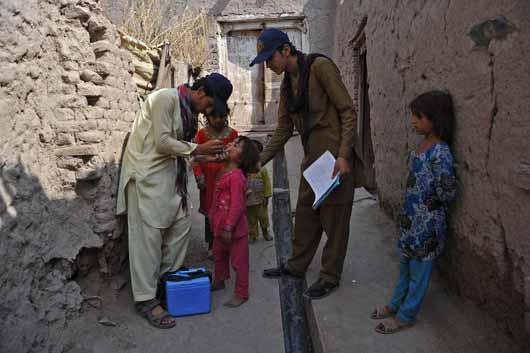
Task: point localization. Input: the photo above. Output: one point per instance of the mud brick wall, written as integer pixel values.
(479, 52)
(67, 100)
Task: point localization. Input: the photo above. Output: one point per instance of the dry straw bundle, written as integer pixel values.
(186, 32)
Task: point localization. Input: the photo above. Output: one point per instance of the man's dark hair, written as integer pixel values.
(202, 83)
(437, 106)
(294, 51)
(258, 145)
(249, 155)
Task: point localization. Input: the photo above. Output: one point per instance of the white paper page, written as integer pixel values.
(318, 174)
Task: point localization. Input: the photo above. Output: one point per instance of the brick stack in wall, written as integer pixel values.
(67, 100)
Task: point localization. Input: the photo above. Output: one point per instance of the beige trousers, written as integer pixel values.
(152, 251)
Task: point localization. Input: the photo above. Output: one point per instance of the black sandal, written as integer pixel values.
(392, 325)
(320, 289)
(145, 309)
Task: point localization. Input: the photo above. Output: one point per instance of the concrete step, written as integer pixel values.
(446, 324)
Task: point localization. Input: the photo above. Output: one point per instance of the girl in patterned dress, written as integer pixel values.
(430, 187)
(206, 172)
(229, 220)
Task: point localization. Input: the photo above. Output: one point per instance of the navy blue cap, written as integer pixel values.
(268, 41)
(220, 90)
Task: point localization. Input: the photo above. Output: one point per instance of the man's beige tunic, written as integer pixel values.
(158, 226)
(150, 159)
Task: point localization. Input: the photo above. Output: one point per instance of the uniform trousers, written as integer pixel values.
(152, 251)
(334, 220)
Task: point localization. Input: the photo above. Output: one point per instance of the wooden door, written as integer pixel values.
(246, 102)
(254, 101)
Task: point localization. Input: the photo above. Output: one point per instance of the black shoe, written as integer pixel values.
(277, 272)
(320, 289)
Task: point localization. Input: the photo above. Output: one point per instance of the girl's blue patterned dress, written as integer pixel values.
(431, 185)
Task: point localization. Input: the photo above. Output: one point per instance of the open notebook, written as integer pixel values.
(318, 175)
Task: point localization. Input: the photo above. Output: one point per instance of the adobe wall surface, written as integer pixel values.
(479, 52)
(320, 15)
(66, 102)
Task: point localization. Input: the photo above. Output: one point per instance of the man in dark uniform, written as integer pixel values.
(313, 99)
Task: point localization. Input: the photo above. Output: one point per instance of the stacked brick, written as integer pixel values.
(67, 100)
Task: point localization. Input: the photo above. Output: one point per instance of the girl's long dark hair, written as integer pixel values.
(437, 106)
(249, 156)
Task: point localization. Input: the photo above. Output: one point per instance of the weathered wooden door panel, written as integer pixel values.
(254, 101)
(246, 102)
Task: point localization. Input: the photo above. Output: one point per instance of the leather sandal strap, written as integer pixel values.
(147, 306)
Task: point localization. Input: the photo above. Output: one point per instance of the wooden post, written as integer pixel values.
(295, 326)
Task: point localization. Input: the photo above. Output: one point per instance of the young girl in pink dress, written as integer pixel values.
(229, 221)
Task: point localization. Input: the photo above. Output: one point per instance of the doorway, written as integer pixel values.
(254, 101)
(365, 146)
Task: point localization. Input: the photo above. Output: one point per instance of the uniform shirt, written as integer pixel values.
(149, 159)
(333, 120)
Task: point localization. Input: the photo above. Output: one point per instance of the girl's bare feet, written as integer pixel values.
(235, 302)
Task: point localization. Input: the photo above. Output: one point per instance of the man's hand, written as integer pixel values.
(226, 236)
(266, 202)
(210, 147)
(341, 165)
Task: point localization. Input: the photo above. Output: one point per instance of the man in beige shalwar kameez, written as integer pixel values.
(152, 188)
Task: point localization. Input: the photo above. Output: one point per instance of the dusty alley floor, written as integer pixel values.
(447, 323)
(254, 327)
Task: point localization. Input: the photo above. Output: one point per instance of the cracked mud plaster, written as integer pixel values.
(480, 59)
(67, 100)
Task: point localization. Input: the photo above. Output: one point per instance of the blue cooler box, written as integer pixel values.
(188, 292)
